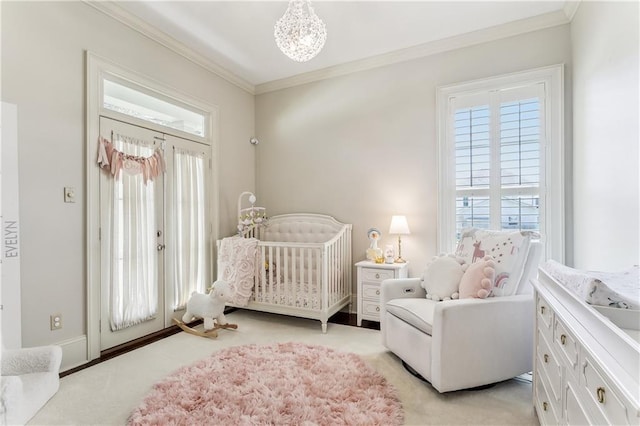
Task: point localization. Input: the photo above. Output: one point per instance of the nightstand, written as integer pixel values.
(370, 276)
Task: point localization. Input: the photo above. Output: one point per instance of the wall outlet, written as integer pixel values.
(56, 321)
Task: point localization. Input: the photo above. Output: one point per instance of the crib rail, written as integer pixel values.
(305, 279)
(307, 276)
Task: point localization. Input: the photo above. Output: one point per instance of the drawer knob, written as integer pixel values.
(377, 308)
(377, 292)
(563, 339)
(546, 358)
(545, 406)
(600, 392)
(541, 310)
(377, 276)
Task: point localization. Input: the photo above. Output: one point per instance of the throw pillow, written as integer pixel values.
(442, 277)
(465, 244)
(509, 250)
(477, 280)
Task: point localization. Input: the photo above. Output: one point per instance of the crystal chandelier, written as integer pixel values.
(300, 34)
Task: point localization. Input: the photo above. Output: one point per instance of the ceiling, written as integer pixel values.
(235, 38)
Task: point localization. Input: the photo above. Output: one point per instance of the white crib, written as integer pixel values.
(302, 267)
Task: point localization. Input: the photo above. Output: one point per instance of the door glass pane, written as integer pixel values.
(190, 237)
(133, 257)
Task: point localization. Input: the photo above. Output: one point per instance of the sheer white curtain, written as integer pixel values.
(131, 243)
(190, 236)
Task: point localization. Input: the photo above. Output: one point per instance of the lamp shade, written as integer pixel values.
(399, 225)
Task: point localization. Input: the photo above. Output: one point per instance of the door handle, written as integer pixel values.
(160, 247)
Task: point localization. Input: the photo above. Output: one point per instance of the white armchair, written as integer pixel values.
(30, 377)
(462, 343)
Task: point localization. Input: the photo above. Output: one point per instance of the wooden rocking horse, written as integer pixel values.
(209, 307)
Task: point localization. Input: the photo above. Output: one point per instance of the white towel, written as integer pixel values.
(236, 265)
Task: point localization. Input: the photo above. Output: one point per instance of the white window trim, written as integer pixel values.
(553, 154)
(97, 69)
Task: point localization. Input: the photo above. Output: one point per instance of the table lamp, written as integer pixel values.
(400, 227)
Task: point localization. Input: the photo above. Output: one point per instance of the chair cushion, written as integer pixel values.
(417, 312)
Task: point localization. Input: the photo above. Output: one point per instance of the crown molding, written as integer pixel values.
(510, 29)
(570, 8)
(112, 10)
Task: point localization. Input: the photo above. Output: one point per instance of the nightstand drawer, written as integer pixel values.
(376, 275)
(370, 277)
(371, 292)
(371, 309)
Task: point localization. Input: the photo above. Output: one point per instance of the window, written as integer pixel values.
(130, 99)
(500, 153)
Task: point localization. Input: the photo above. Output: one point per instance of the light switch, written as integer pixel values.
(69, 194)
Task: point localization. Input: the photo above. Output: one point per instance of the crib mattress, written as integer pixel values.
(306, 295)
(609, 289)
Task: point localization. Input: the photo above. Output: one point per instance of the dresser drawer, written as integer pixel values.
(371, 292)
(574, 412)
(376, 275)
(546, 407)
(371, 309)
(604, 395)
(566, 345)
(549, 367)
(545, 317)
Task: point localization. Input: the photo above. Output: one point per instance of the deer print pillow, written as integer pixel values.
(509, 250)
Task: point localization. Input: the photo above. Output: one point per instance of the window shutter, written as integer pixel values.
(497, 139)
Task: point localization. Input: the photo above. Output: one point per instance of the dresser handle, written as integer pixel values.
(563, 339)
(545, 406)
(600, 392)
(377, 276)
(377, 292)
(546, 358)
(542, 310)
(377, 308)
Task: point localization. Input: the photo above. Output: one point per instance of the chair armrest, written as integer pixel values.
(400, 288)
(483, 340)
(39, 359)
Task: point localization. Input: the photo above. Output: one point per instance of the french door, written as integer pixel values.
(154, 232)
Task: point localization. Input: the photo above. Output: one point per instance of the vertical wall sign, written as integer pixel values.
(10, 315)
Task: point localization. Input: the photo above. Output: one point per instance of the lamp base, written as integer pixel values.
(400, 260)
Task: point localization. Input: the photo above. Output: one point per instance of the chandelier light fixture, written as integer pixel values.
(300, 33)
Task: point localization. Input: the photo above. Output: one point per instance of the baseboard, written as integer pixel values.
(74, 352)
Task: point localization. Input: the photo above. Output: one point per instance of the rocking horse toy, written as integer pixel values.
(209, 307)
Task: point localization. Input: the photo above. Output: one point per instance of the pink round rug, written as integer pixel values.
(286, 383)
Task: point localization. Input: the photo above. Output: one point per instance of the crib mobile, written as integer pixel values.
(251, 218)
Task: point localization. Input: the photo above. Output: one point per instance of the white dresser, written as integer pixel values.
(586, 368)
(370, 276)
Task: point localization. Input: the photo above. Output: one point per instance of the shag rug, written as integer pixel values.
(281, 384)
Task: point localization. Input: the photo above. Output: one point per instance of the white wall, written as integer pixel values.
(606, 181)
(362, 147)
(43, 72)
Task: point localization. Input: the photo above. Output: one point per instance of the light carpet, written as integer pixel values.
(283, 383)
(106, 393)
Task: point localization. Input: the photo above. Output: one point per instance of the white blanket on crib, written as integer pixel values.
(236, 265)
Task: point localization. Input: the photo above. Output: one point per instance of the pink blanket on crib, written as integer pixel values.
(236, 265)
